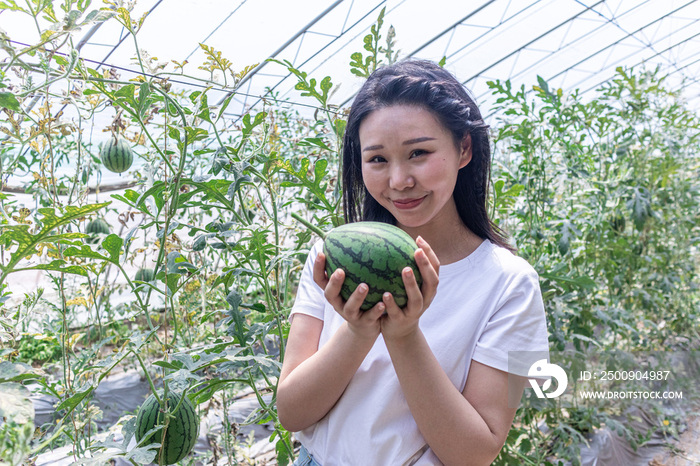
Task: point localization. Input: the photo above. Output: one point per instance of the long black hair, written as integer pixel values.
(425, 84)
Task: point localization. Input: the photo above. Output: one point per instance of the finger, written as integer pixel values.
(332, 290)
(423, 244)
(413, 291)
(355, 300)
(429, 276)
(320, 271)
(428, 272)
(375, 312)
(392, 309)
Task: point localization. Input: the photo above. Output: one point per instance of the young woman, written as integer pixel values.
(427, 384)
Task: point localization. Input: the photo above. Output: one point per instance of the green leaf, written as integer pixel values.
(326, 86)
(224, 105)
(126, 92)
(84, 251)
(640, 205)
(182, 376)
(568, 233)
(171, 282)
(234, 300)
(199, 243)
(339, 127)
(177, 264)
(18, 372)
(238, 327)
(195, 134)
(130, 197)
(168, 365)
(320, 171)
(15, 403)
(71, 402)
(144, 99)
(57, 265)
(284, 456)
(9, 101)
(580, 281)
(318, 142)
(12, 6)
(213, 190)
(155, 192)
(113, 245)
(248, 126)
(26, 242)
(97, 16)
(174, 133)
(204, 109)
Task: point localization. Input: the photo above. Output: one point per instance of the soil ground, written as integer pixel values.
(685, 451)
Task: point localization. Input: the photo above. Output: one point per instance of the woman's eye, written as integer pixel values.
(418, 152)
(376, 159)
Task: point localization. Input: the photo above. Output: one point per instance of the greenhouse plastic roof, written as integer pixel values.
(573, 44)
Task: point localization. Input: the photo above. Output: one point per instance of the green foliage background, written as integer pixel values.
(599, 194)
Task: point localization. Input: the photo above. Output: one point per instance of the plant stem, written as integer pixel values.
(310, 226)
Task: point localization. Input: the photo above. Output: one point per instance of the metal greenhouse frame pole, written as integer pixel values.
(284, 46)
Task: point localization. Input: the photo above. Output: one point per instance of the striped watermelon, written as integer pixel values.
(95, 228)
(182, 431)
(374, 253)
(116, 154)
(145, 275)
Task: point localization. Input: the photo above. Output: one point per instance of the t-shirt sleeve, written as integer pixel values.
(515, 336)
(309, 299)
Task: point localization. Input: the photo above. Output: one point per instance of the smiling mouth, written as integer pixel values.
(407, 203)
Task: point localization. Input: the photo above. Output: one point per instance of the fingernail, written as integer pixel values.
(407, 272)
(363, 288)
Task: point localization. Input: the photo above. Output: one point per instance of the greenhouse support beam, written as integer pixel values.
(627, 36)
(284, 46)
(472, 13)
(544, 34)
(90, 189)
(657, 54)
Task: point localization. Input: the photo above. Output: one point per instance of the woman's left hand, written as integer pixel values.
(397, 322)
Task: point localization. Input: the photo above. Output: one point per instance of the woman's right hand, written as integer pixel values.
(363, 324)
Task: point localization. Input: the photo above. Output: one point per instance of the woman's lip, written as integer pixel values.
(407, 203)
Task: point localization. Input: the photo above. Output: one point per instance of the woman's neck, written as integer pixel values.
(450, 243)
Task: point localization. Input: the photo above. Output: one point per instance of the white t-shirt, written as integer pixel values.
(486, 305)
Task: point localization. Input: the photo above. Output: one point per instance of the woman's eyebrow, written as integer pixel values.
(405, 143)
(415, 140)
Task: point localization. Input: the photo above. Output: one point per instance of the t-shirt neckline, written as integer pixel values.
(470, 261)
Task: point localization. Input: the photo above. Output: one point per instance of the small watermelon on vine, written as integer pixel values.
(145, 275)
(180, 436)
(116, 154)
(95, 229)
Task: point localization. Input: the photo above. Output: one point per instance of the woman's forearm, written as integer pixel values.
(307, 392)
(453, 428)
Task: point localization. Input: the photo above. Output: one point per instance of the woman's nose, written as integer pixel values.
(400, 179)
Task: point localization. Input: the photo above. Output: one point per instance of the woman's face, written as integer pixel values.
(410, 164)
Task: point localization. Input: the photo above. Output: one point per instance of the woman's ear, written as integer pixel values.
(465, 154)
